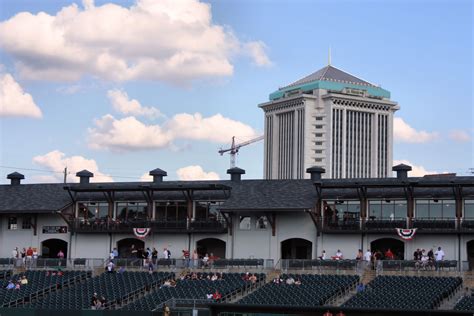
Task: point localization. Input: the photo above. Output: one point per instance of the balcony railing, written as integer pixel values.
(117, 226)
(377, 225)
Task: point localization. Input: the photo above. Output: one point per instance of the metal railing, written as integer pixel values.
(317, 265)
(186, 225)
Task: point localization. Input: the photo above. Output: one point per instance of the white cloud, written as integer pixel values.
(146, 177)
(129, 133)
(195, 173)
(460, 136)
(56, 161)
(402, 132)
(14, 101)
(417, 170)
(169, 40)
(122, 104)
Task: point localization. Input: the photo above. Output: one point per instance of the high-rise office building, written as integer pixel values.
(330, 119)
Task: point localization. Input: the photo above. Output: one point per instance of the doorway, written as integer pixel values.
(296, 248)
(213, 246)
(397, 247)
(124, 247)
(470, 254)
(51, 247)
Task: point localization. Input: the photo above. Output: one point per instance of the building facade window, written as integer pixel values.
(207, 210)
(12, 223)
(171, 210)
(262, 222)
(26, 222)
(244, 222)
(435, 208)
(469, 209)
(341, 210)
(93, 210)
(130, 211)
(387, 209)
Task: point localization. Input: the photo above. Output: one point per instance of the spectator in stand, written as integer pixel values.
(94, 300)
(15, 253)
(339, 255)
(186, 258)
(323, 255)
(23, 256)
(121, 270)
(389, 254)
(24, 280)
(290, 281)
(253, 279)
(217, 296)
(368, 255)
(17, 285)
(431, 255)
(166, 310)
(35, 256)
(439, 254)
(154, 255)
(151, 267)
(165, 253)
(209, 296)
(133, 251)
(205, 261)
(111, 256)
(195, 259)
(298, 282)
(417, 255)
(340, 314)
(246, 276)
(29, 256)
(10, 285)
(110, 267)
(359, 255)
(328, 313)
(61, 254)
(360, 287)
(115, 252)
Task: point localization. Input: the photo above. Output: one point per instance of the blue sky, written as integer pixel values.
(421, 51)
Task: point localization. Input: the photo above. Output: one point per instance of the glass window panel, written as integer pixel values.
(12, 223)
(422, 209)
(400, 209)
(142, 210)
(103, 210)
(353, 209)
(261, 223)
(182, 210)
(171, 211)
(160, 210)
(26, 223)
(387, 209)
(375, 210)
(201, 210)
(213, 212)
(449, 209)
(436, 207)
(244, 223)
(469, 209)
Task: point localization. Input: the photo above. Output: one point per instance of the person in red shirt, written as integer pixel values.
(340, 314)
(217, 296)
(328, 313)
(389, 254)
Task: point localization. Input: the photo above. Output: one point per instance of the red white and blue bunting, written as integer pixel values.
(141, 232)
(406, 234)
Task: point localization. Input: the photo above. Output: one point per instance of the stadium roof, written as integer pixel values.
(277, 195)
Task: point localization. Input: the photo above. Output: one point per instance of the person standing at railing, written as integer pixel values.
(186, 258)
(439, 257)
(154, 255)
(195, 258)
(166, 310)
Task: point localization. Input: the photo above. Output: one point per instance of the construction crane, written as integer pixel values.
(234, 148)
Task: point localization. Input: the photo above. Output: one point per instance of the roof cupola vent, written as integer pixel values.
(15, 178)
(235, 173)
(316, 173)
(158, 175)
(84, 176)
(402, 171)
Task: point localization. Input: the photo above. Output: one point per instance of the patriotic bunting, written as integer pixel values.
(406, 234)
(141, 232)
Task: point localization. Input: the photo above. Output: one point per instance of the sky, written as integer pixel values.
(124, 87)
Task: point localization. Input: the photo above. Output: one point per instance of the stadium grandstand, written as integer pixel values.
(378, 246)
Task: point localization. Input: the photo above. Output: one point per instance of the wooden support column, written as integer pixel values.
(228, 220)
(272, 220)
(409, 190)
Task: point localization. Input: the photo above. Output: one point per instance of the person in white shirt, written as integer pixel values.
(439, 254)
(165, 253)
(338, 254)
(323, 255)
(367, 255)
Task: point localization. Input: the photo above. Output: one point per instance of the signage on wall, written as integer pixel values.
(54, 229)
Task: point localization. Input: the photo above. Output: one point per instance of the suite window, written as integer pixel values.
(387, 209)
(206, 210)
(262, 222)
(171, 210)
(342, 210)
(93, 210)
(26, 222)
(132, 211)
(469, 209)
(12, 223)
(435, 208)
(244, 222)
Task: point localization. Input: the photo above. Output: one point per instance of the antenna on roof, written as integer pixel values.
(329, 56)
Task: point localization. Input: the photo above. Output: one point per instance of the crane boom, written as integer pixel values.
(234, 148)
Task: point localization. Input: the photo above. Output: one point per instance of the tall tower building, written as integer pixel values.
(330, 119)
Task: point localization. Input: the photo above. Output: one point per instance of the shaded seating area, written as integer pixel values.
(315, 290)
(113, 286)
(40, 283)
(192, 289)
(405, 292)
